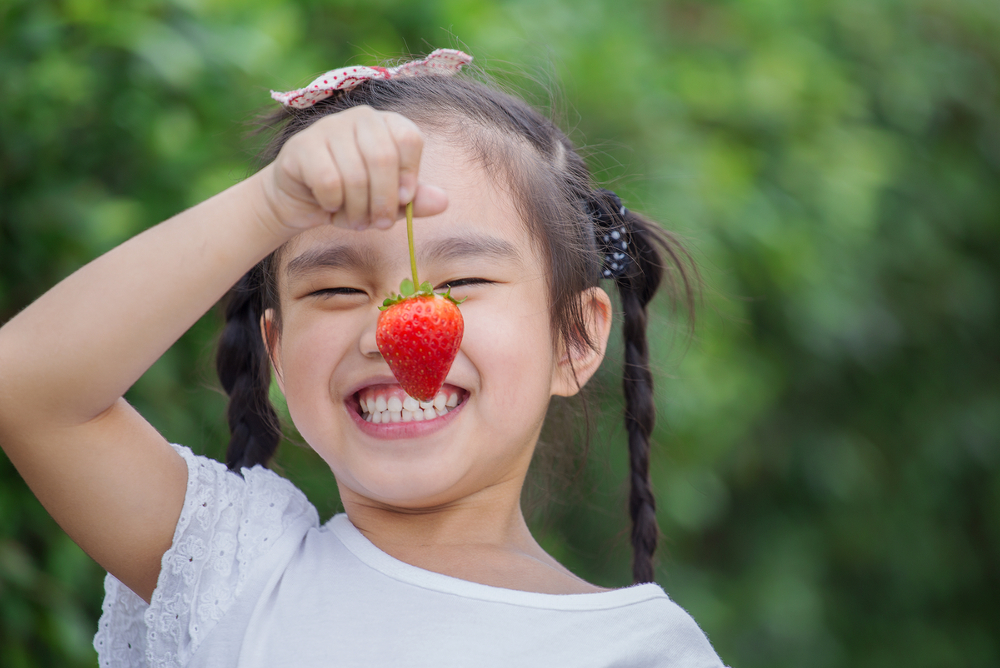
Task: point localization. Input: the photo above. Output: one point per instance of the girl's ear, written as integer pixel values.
(269, 333)
(578, 361)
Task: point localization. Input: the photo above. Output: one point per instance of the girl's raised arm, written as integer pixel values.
(106, 476)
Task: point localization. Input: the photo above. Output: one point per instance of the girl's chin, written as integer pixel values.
(416, 494)
(421, 479)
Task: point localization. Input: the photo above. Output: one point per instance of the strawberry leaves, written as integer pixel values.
(407, 290)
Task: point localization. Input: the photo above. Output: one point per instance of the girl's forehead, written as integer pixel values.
(455, 168)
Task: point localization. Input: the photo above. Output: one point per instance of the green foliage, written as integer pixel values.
(827, 455)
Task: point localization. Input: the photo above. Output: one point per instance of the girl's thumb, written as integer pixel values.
(429, 201)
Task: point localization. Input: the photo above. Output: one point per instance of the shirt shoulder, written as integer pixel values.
(228, 524)
(671, 636)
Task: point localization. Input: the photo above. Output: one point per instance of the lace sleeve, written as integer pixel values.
(226, 524)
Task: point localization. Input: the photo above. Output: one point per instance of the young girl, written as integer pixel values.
(432, 563)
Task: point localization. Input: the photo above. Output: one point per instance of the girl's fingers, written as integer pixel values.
(325, 181)
(357, 169)
(429, 201)
(354, 179)
(378, 150)
(409, 146)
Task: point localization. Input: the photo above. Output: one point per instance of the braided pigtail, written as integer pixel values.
(637, 255)
(640, 411)
(244, 369)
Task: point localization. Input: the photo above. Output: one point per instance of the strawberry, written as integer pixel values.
(419, 331)
(418, 335)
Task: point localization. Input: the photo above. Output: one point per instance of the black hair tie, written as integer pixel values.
(611, 231)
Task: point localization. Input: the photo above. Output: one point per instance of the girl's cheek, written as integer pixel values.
(309, 353)
(511, 350)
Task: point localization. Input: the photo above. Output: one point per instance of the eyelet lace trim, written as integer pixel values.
(227, 523)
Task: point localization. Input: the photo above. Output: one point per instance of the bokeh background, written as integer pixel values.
(827, 460)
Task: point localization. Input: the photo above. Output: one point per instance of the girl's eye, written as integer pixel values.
(329, 292)
(463, 282)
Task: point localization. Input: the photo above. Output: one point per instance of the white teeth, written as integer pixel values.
(380, 410)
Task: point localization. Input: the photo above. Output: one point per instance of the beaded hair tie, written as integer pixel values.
(442, 61)
(611, 232)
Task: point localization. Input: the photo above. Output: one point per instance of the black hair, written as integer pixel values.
(553, 191)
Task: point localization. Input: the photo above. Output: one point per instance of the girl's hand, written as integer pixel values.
(355, 169)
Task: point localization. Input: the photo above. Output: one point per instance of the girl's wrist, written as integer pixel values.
(261, 201)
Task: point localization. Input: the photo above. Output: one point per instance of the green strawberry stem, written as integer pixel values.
(409, 241)
(409, 289)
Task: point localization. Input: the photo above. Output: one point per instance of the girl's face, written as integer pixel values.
(332, 282)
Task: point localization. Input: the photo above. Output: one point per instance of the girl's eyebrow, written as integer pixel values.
(470, 246)
(476, 246)
(333, 257)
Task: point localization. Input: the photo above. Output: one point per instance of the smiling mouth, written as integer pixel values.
(382, 404)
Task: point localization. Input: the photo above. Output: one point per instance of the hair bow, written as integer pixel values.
(612, 232)
(442, 61)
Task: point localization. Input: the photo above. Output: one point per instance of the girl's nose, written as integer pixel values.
(367, 341)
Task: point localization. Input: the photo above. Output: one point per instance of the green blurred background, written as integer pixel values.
(827, 461)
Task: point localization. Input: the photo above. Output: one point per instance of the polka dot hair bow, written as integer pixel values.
(442, 61)
(611, 231)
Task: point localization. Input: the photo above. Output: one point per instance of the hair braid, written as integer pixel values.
(640, 416)
(636, 289)
(649, 244)
(244, 369)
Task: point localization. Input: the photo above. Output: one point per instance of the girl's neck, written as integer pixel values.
(482, 539)
(489, 517)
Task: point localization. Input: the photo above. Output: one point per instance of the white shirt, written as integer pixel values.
(252, 579)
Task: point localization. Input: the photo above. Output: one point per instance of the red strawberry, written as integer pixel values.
(418, 334)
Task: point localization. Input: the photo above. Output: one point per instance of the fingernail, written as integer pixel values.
(404, 195)
(383, 223)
